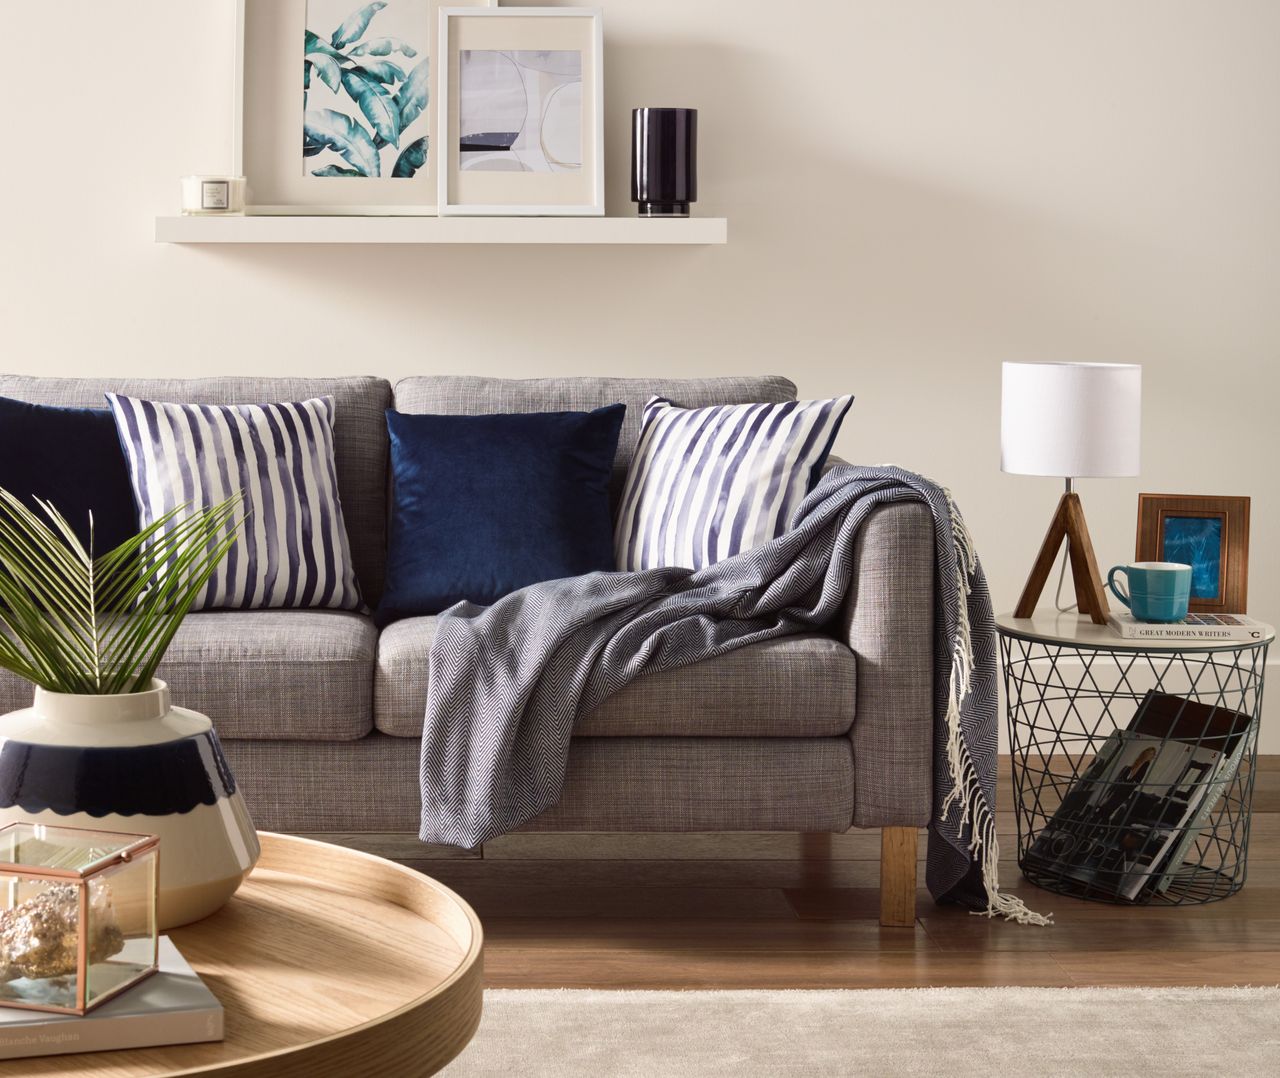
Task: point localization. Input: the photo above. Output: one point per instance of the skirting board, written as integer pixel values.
(265, 228)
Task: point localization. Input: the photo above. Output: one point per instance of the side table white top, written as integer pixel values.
(1075, 630)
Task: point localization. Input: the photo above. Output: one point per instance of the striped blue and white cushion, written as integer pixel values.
(709, 483)
(293, 549)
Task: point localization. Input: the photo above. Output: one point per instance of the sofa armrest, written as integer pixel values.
(831, 462)
(887, 620)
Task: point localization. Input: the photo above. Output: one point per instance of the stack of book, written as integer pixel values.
(1194, 628)
(1126, 825)
(172, 1006)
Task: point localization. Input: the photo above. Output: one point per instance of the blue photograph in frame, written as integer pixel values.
(1209, 532)
(1197, 541)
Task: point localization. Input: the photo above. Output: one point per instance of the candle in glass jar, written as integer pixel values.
(212, 194)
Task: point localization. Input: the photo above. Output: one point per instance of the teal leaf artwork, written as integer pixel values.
(347, 137)
(413, 93)
(375, 102)
(382, 70)
(412, 158)
(365, 97)
(355, 24)
(384, 46)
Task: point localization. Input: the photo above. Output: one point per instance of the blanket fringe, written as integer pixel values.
(966, 790)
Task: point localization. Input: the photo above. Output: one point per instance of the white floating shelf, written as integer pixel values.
(580, 230)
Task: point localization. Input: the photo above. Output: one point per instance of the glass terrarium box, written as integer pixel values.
(77, 915)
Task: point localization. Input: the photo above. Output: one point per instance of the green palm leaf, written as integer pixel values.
(328, 70)
(355, 25)
(384, 46)
(382, 70)
(74, 623)
(375, 102)
(339, 132)
(411, 158)
(315, 45)
(413, 93)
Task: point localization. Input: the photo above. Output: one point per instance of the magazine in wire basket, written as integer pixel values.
(1138, 807)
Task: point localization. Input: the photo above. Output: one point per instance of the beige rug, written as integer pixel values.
(948, 1032)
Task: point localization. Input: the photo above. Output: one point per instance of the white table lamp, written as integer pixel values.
(1074, 421)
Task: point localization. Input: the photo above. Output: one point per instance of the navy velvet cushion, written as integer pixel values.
(485, 505)
(70, 457)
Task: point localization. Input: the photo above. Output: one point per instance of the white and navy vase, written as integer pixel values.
(133, 763)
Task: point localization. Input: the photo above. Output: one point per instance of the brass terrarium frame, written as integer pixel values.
(82, 878)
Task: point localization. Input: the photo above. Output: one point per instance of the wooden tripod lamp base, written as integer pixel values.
(1068, 523)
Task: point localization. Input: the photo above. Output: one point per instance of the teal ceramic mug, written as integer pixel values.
(1158, 590)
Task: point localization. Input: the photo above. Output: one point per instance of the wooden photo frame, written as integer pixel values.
(521, 117)
(282, 74)
(1211, 534)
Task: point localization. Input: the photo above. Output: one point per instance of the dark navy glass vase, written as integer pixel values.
(664, 161)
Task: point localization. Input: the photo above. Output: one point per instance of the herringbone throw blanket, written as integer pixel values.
(509, 681)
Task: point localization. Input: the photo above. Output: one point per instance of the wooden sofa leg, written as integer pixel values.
(898, 876)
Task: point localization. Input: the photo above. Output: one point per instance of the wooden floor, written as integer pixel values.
(800, 911)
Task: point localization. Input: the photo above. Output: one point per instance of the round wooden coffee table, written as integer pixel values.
(327, 962)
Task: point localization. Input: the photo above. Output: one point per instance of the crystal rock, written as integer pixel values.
(40, 938)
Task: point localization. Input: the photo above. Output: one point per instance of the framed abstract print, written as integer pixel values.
(1208, 533)
(336, 104)
(521, 112)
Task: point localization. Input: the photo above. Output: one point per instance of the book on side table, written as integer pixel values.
(172, 1006)
(1207, 628)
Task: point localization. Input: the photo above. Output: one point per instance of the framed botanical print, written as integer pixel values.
(521, 111)
(1208, 533)
(336, 104)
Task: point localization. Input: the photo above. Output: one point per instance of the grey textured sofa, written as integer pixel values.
(321, 715)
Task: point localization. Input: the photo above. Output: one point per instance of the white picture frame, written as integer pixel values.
(519, 29)
(275, 181)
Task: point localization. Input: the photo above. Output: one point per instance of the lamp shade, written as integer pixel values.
(1072, 420)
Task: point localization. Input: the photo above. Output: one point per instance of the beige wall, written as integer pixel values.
(917, 190)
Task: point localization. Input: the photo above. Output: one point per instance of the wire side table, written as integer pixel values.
(1070, 685)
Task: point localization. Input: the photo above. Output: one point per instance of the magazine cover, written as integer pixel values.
(1222, 780)
(1140, 796)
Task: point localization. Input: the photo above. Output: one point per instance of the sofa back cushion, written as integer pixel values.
(467, 395)
(360, 436)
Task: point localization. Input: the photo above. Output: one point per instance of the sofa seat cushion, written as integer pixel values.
(284, 675)
(796, 686)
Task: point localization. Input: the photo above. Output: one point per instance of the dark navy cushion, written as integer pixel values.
(70, 457)
(485, 505)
